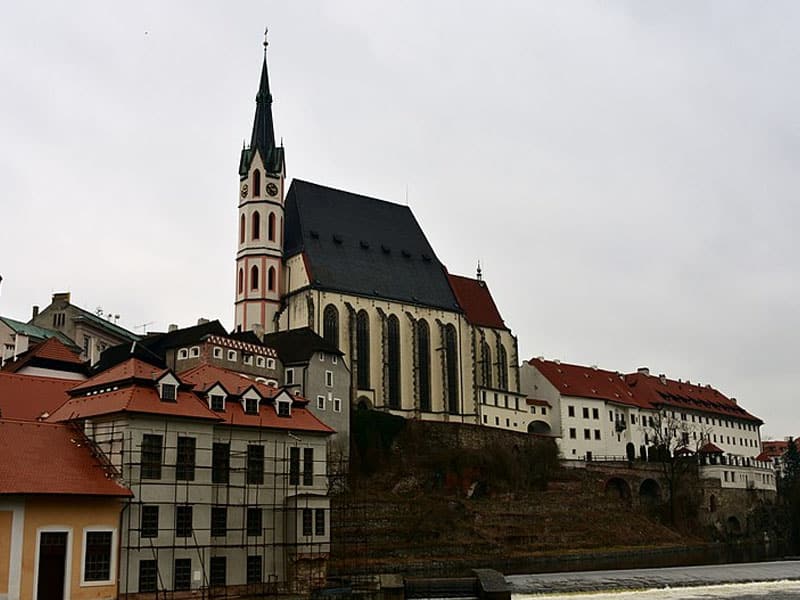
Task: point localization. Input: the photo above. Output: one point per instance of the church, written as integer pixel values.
(420, 342)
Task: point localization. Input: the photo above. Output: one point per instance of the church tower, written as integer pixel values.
(259, 259)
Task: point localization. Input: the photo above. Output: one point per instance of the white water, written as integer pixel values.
(766, 589)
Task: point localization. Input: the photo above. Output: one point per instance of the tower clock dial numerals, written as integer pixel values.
(272, 189)
(244, 190)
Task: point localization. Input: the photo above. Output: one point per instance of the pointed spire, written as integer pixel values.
(479, 272)
(263, 137)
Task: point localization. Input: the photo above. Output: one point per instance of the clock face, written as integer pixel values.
(272, 189)
(244, 190)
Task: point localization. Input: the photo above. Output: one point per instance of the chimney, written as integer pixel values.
(202, 321)
(35, 312)
(61, 297)
(643, 370)
(733, 400)
(172, 327)
(663, 378)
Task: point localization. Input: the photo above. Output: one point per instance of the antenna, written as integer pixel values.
(144, 326)
(406, 194)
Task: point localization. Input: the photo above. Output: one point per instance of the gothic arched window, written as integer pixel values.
(502, 368)
(271, 279)
(486, 365)
(240, 282)
(254, 277)
(393, 360)
(362, 350)
(242, 228)
(256, 183)
(424, 365)
(256, 226)
(271, 227)
(330, 325)
(451, 368)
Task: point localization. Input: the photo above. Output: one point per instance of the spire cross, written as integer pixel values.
(266, 43)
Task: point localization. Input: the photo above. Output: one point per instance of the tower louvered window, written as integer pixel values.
(330, 325)
(242, 229)
(271, 227)
(362, 350)
(451, 368)
(502, 368)
(271, 279)
(256, 226)
(240, 283)
(393, 361)
(256, 183)
(254, 277)
(424, 365)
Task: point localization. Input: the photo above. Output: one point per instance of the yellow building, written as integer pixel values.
(59, 515)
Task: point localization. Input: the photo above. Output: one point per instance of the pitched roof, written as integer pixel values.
(660, 391)
(52, 354)
(206, 376)
(710, 448)
(27, 397)
(160, 342)
(299, 345)
(364, 246)
(46, 458)
(123, 352)
(36, 332)
(475, 299)
(123, 372)
(588, 382)
(101, 323)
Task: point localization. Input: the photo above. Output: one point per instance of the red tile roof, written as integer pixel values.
(474, 297)
(27, 396)
(687, 396)
(710, 448)
(536, 402)
(775, 448)
(45, 458)
(51, 350)
(588, 382)
(206, 376)
(132, 368)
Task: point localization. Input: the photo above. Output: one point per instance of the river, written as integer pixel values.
(778, 579)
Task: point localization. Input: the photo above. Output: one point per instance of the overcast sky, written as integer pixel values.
(626, 172)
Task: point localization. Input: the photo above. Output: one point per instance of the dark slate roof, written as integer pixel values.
(161, 342)
(364, 246)
(298, 345)
(263, 136)
(115, 355)
(248, 337)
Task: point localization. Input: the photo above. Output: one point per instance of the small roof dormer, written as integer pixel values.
(251, 399)
(168, 385)
(283, 404)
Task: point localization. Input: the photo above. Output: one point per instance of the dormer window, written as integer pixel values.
(217, 403)
(251, 406)
(169, 392)
(284, 408)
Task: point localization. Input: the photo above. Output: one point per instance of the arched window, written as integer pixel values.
(256, 226)
(241, 229)
(256, 183)
(393, 361)
(486, 365)
(240, 282)
(451, 368)
(362, 350)
(271, 279)
(502, 368)
(330, 325)
(254, 277)
(271, 227)
(424, 365)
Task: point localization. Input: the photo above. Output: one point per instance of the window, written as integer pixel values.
(241, 230)
(255, 464)
(573, 434)
(59, 319)
(587, 434)
(502, 367)
(256, 183)
(271, 278)
(183, 521)
(270, 363)
(220, 462)
(597, 434)
(254, 526)
(486, 365)
(334, 359)
(97, 556)
(251, 406)
(254, 569)
(544, 410)
(319, 521)
(329, 378)
(533, 410)
(219, 521)
(148, 577)
(321, 357)
(330, 325)
(451, 368)
(232, 355)
(247, 358)
(149, 521)
(151, 456)
(184, 467)
(183, 354)
(260, 362)
(254, 277)
(218, 352)
(571, 411)
(218, 568)
(308, 466)
(168, 392)
(183, 573)
(194, 352)
(595, 413)
(321, 402)
(337, 405)
(307, 522)
(289, 376)
(362, 350)
(294, 465)
(217, 403)
(284, 408)
(271, 227)
(256, 226)
(611, 416)
(585, 412)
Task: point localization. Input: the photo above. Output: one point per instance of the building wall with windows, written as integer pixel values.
(227, 353)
